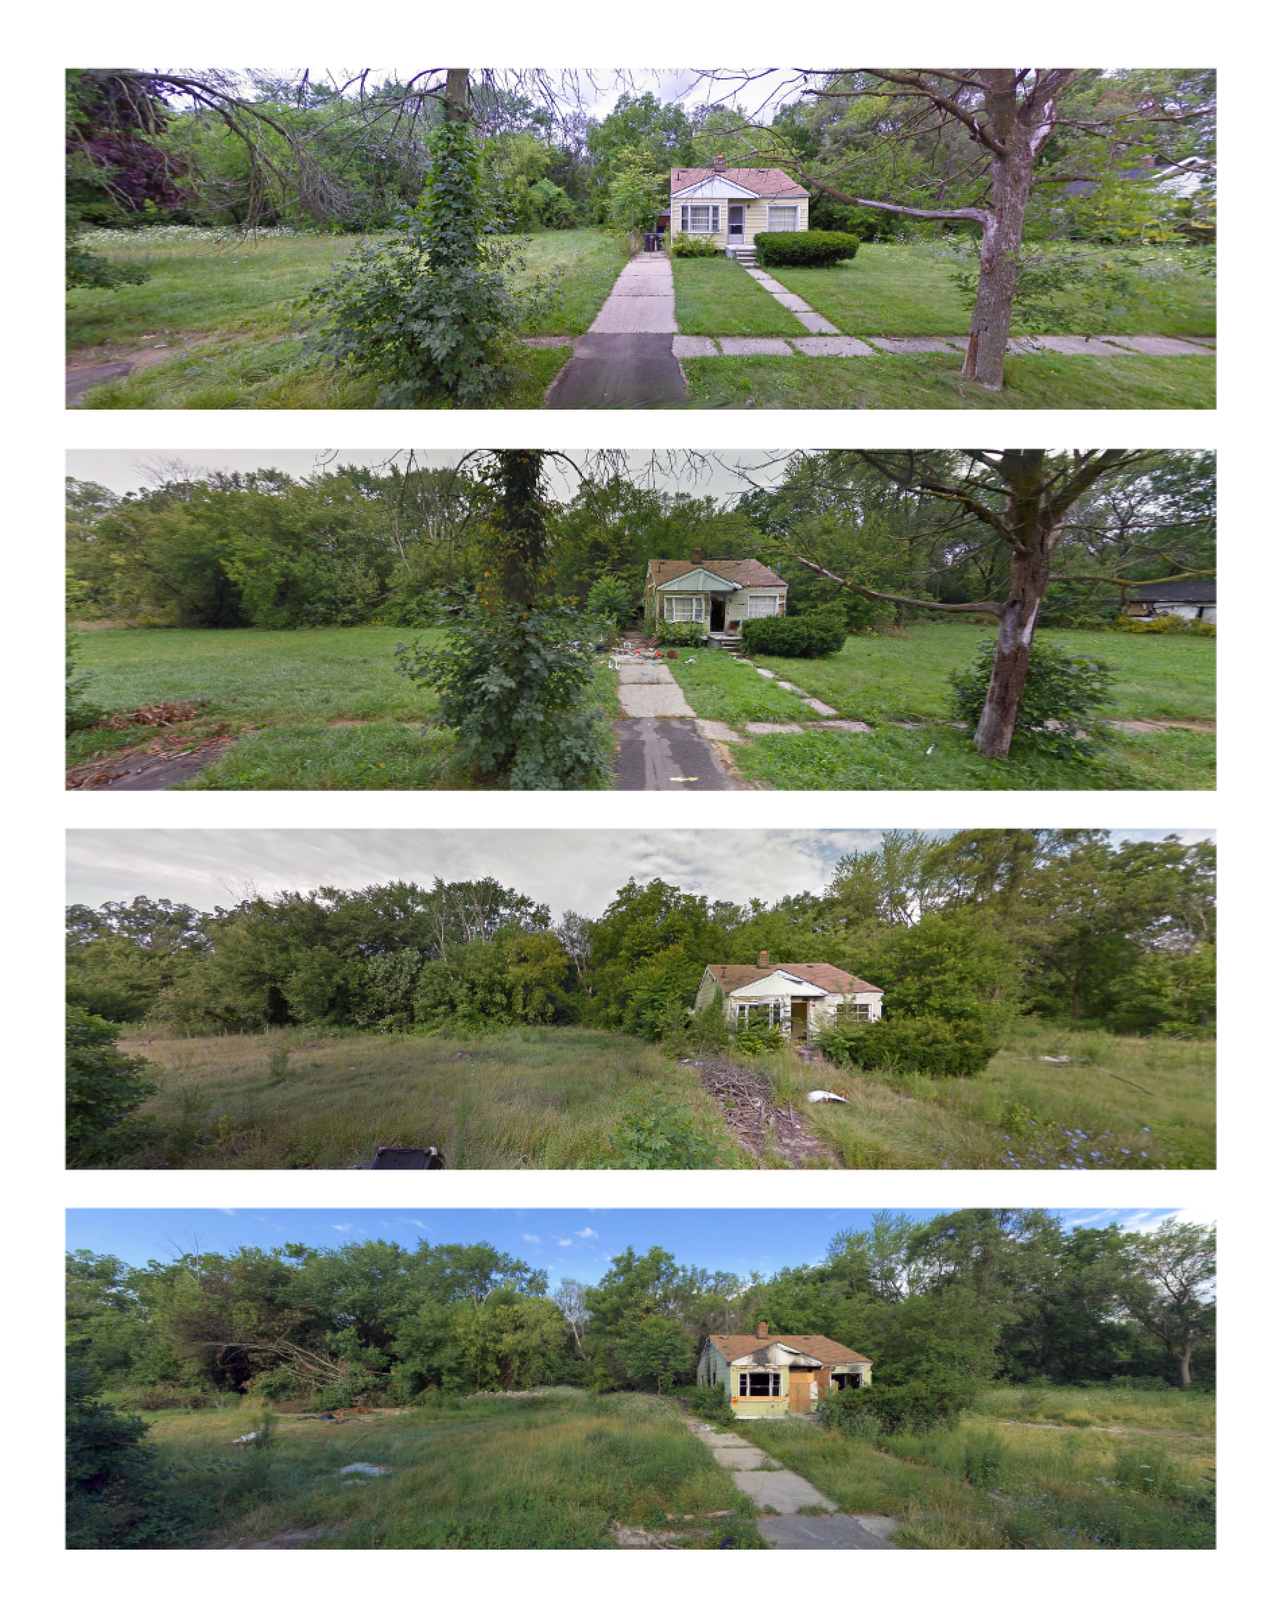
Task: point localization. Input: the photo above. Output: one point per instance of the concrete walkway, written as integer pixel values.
(625, 361)
(786, 1493)
(840, 347)
(662, 744)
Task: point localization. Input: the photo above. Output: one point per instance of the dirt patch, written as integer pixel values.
(746, 1100)
(88, 367)
(152, 768)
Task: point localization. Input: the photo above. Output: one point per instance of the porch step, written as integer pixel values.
(746, 256)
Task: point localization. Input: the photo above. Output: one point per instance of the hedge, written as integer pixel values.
(812, 636)
(810, 247)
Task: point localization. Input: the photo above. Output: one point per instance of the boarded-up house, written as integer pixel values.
(718, 593)
(768, 1377)
(1190, 598)
(797, 997)
(734, 205)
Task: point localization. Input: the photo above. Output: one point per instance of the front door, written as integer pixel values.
(799, 1021)
(717, 612)
(737, 222)
(800, 1401)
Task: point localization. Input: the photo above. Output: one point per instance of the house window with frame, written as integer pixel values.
(784, 218)
(852, 1012)
(762, 606)
(760, 1384)
(840, 1379)
(685, 609)
(700, 219)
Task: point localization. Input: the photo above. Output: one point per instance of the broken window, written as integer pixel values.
(760, 1384)
(846, 1378)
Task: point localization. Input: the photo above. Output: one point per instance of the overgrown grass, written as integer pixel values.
(893, 290)
(528, 1098)
(314, 709)
(995, 1485)
(717, 298)
(720, 687)
(1023, 1112)
(245, 293)
(548, 1472)
(932, 382)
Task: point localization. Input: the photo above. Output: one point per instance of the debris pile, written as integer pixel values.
(156, 714)
(746, 1099)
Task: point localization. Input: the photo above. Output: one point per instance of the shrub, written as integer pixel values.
(1062, 695)
(82, 714)
(514, 685)
(104, 1087)
(926, 1044)
(114, 1493)
(680, 634)
(754, 1041)
(709, 1403)
(695, 246)
(612, 597)
(819, 634)
(1170, 623)
(913, 1406)
(662, 1134)
(985, 1456)
(1146, 1468)
(814, 248)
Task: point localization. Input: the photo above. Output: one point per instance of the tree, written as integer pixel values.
(635, 191)
(1172, 1274)
(1023, 500)
(658, 1349)
(105, 1088)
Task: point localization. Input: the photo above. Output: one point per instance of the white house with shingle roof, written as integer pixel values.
(718, 593)
(798, 997)
(734, 205)
(768, 1377)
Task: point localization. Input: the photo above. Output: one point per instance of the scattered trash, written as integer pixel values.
(826, 1094)
(406, 1156)
(364, 1469)
(249, 1437)
(1056, 1061)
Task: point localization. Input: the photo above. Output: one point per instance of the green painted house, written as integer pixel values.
(768, 1377)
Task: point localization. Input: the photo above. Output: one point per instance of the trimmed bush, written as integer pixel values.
(926, 1044)
(811, 248)
(695, 247)
(817, 635)
(1062, 696)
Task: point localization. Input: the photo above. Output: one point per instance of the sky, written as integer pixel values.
(575, 1244)
(126, 470)
(575, 870)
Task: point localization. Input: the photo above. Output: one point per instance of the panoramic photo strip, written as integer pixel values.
(736, 999)
(678, 1379)
(637, 621)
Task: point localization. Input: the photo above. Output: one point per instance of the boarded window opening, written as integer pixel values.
(760, 1384)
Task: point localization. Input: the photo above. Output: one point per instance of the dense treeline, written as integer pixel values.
(982, 925)
(965, 1297)
(355, 544)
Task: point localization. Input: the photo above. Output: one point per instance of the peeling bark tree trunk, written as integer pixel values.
(997, 273)
(994, 735)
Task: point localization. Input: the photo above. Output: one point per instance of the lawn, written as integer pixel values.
(720, 687)
(892, 290)
(312, 709)
(533, 1098)
(717, 298)
(1054, 1468)
(932, 382)
(244, 294)
(553, 1471)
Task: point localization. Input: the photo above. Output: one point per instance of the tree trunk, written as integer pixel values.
(457, 93)
(998, 270)
(1184, 1366)
(994, 735)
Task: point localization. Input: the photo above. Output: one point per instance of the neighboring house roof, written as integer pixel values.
(821, 1348)
(748, 574)
(1191, 589)
(735, 978)
(761, 182)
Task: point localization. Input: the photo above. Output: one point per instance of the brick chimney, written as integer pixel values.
(762, 959)
(762, 1330)
(719, 164)
(697, 557)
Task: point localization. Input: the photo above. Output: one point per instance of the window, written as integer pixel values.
(685, 609)
(784, 218)
(762, 606)
(701, 219)
(760, 1384)
(853, 1013)
(763, 1013)
(846, 1378)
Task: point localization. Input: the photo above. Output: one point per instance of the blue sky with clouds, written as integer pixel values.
(568, 1243)
(578, 870)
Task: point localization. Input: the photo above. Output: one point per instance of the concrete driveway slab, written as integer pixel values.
(654, 700)
(784, 1490)
(820, 1533)
(644, 673)
(667, 755)
(634, 371)
(637, 314)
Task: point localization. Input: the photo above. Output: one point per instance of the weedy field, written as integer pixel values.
(569, 1097)
(552, 1471)
(1035, 1467)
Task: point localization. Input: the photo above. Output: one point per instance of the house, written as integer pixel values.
(735, 205)
(718, 593)
(768, 1377)
(799, 998)
(1192, 598)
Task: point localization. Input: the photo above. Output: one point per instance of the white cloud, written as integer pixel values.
(587, 1235)
(344, 1227)
(536, 1239)
(564, 1243)
(229, 1212)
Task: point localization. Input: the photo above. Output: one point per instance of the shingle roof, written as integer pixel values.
(817, 1347)
(749, 573)
(1191, 589)
(765, 182)
(835, 981)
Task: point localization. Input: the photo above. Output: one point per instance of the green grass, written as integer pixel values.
(932, 382)
(902, 674)
(717, 298)
(244, 292)
(1017, 1114)
(533, 1098)
(314, 709)
(554, 1471)
(720, 687)
(1040, 1489)
(906, 291)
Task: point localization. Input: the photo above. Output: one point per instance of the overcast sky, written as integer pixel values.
(577, 870)
(569, 1244)
(125, 470)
